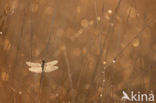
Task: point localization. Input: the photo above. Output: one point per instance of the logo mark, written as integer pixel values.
(125, 96)
(138, 97)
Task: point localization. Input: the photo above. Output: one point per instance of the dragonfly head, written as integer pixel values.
(43, 61)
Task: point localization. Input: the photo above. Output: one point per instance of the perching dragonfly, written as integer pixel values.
(42, 67)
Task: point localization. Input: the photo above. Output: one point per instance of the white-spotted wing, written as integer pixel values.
(48, 67)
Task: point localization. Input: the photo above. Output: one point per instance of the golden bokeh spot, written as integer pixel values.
(4, 76)
(136, 43)
(84, 51)
(7, 45)
(110, 11)
(78, 9)
(98, 18)
(104, 62)
(91, 22)
(22, 54)
(84, 23)
(80, 31)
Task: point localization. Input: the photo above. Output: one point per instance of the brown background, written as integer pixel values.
(85, 37)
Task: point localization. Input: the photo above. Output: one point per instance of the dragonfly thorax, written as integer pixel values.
(43, 62)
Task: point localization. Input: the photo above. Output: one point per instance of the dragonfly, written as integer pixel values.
(42, 67)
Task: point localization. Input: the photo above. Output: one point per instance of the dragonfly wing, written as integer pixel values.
(35, 69)
(33, 64)
(49, 68)
(52, 63)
